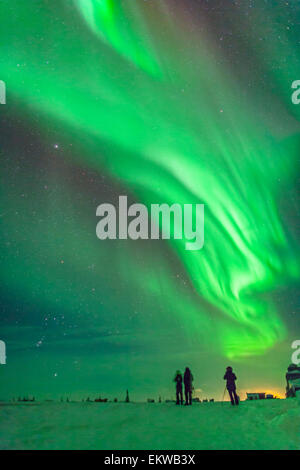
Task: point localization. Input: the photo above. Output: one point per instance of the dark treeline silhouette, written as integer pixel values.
(26, 399)
(186, 380)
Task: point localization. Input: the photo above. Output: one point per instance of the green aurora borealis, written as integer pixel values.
(169, 102)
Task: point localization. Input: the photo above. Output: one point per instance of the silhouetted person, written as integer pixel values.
(178, 380)
(230, 377)
(188, 386)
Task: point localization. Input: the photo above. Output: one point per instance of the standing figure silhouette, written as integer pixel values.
(178, 380)
(230, 377)
(188, 386)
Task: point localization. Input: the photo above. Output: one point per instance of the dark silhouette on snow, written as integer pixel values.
(230, 377)
(188, 386)
(178, 380)
(101, 400)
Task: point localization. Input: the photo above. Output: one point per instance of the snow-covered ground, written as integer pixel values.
(266, 424)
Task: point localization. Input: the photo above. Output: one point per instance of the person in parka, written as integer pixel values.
(188, 386)
(178, 381)
(230, 378)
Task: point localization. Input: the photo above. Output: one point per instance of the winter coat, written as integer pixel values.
(188, 379)
(178, 380)
(230, 377)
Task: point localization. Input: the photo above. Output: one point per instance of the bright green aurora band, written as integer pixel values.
(146, 94)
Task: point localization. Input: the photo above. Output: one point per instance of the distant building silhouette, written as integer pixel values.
(101, 400)
(256, 396)
(127, 397)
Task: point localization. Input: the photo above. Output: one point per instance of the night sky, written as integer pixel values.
(165, 101)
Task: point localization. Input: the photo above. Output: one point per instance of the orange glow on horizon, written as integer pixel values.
(278, 393)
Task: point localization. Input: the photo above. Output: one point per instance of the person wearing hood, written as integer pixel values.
(230, 378)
